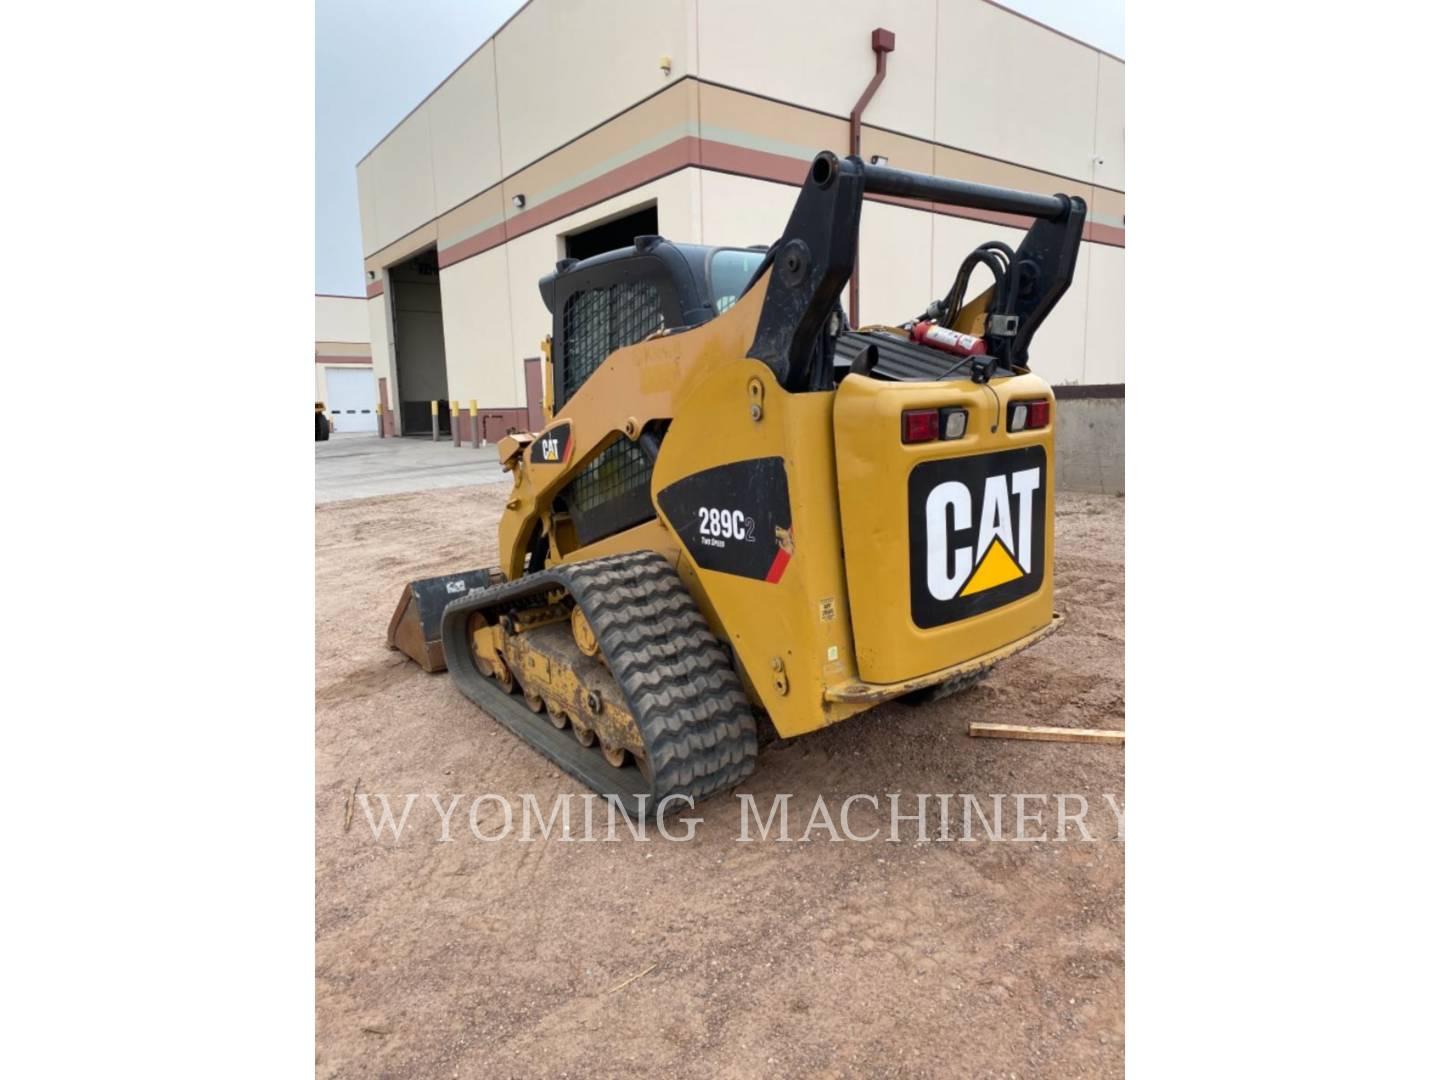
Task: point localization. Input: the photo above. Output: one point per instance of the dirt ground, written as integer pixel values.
(836, 959)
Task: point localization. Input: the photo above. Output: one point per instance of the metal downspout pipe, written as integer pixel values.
(882, 41)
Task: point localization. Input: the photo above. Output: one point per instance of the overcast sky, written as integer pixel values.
(376, 59)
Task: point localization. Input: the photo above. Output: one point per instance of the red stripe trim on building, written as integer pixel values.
(759, 165)
(1068, 180)
(676, 155)
(374, 289)
(472, 245)
(716, 157)
(365, 360)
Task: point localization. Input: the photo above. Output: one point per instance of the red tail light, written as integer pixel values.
(1028, 415)
(919, 425)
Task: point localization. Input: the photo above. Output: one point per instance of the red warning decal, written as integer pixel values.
(777, 568)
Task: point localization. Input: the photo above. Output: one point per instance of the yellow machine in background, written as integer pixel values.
(738, 504)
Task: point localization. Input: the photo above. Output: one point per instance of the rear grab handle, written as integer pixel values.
(900, 183)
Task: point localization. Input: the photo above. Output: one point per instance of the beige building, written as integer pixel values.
(344, 374)
(582, 124)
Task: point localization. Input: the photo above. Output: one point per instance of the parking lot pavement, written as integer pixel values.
(354, 466)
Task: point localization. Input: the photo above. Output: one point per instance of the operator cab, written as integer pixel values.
(622, 297)
(617, 299)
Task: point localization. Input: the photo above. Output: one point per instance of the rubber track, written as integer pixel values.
(677, 680)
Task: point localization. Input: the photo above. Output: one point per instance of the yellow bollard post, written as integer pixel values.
(474, 425)
(455, 423)
(434, 421)
(380, 417)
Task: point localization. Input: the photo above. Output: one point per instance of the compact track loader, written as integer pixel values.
(740, 506)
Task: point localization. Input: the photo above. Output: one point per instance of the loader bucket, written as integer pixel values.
(415, 626)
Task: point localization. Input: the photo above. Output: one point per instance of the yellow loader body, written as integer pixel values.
(738, 504)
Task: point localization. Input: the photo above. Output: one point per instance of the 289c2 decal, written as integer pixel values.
(725, 525)
(734, 518)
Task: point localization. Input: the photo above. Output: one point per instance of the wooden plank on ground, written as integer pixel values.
(1048, 734)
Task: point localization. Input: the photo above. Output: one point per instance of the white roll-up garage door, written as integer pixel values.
(350, 397)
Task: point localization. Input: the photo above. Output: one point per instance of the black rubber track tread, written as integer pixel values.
(679, 684)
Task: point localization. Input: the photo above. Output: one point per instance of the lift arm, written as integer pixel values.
(812, 261)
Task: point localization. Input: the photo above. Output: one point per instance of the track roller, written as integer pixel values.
(585, 639)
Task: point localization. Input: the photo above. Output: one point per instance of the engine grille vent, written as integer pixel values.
(897, 359)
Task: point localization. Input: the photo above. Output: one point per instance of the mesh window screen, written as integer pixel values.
(611, 493)
(619, 470)
(599, 321)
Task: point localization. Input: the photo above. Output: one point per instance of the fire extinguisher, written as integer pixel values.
(947, 340)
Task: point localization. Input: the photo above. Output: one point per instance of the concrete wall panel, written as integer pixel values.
(1016, 90)
(744, 135)
(567, 65)
(465, 131)
(370, 237)
(382, 348)
(404, 178)
(1110, 124)
(1105, 328)
(650, 126)
(470, 218)
(341, 318)
(1090, 445)
(479, 353)
(739, 211)
(531, 258)
(895, 273)
(901, 151)
(820, 56)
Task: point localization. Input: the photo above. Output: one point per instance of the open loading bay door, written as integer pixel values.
(419, 343)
